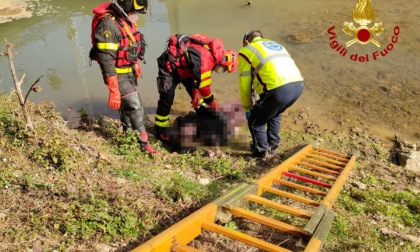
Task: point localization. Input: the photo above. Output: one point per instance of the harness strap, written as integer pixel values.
(127, 30)
(134, 92)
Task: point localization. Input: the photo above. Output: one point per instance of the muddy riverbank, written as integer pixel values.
(14, 9)
(379, 96)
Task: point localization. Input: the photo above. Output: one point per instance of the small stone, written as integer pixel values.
(3, 216)
(359, 185)
(203, 181)
(303, 116)
(103, 247)
(413, 162)
(318, 142)
(298, 38)
(357, 130)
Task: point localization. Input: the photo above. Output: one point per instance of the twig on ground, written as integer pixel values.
(395, 234)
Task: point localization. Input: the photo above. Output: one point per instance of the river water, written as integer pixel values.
(380, 95)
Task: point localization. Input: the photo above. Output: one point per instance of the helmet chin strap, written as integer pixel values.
(119, 8)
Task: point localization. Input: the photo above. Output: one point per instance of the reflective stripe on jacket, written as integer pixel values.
(264, 65)
(201, 64)
(113, 43)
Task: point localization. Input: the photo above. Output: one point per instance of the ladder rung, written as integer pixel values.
(278, 206)
(186, 248)
(291, 196)
(329, 160)
(306, 179)
(318, 168)
(315, 174)
(279, 225)
(243, 237)
(335, 167)
(345, 160)
(310, 164)
(300, 187)
(330, 152)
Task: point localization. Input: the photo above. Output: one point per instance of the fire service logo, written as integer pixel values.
(363, 15)
(363, 33)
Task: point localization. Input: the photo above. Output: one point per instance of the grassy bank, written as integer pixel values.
(92, 189)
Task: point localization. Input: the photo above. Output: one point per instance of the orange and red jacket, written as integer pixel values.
(112, 41)
(197, 61)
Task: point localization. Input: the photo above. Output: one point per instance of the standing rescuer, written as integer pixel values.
(118, 47)
(189, 60)
(265, 67)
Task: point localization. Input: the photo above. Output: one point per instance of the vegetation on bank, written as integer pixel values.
(92, 189)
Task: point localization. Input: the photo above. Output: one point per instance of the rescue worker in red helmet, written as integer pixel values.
(189, 60)
(118, 47)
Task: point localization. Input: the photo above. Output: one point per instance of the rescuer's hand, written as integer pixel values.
(214, 105)
(137, 70)
(114, 100)
(247, 115)
(196, 98)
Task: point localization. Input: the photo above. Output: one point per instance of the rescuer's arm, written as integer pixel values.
(245, 83)
(202, 64)
(107, 36)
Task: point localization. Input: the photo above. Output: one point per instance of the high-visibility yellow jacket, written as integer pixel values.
(264, 65)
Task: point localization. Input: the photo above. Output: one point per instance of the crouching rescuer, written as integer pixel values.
(190, 61)
(118, 47)
(267, 69)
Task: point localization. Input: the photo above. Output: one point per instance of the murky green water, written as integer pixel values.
(381, 96)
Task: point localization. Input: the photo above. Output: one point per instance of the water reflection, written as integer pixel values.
(55, 43)
(380, 95)
(53, 80)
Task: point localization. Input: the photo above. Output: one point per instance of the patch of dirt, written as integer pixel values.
(13, 9)
(298, 38)
(10, 11)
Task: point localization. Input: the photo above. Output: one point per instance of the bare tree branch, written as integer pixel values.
(18, 84)
(30, 89)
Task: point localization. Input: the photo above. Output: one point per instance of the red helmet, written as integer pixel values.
(230, 60)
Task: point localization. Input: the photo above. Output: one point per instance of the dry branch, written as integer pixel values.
(18, 84)
(405, 237)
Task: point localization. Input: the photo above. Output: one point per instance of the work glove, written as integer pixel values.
(247, 114)
(137, 70)
(114, 100)
(196, 98)
(214, 105)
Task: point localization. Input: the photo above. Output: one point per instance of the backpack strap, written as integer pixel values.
(124, 25)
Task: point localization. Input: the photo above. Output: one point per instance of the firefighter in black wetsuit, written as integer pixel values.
(118, 47)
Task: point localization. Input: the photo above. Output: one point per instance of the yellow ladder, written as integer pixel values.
(312, 179)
